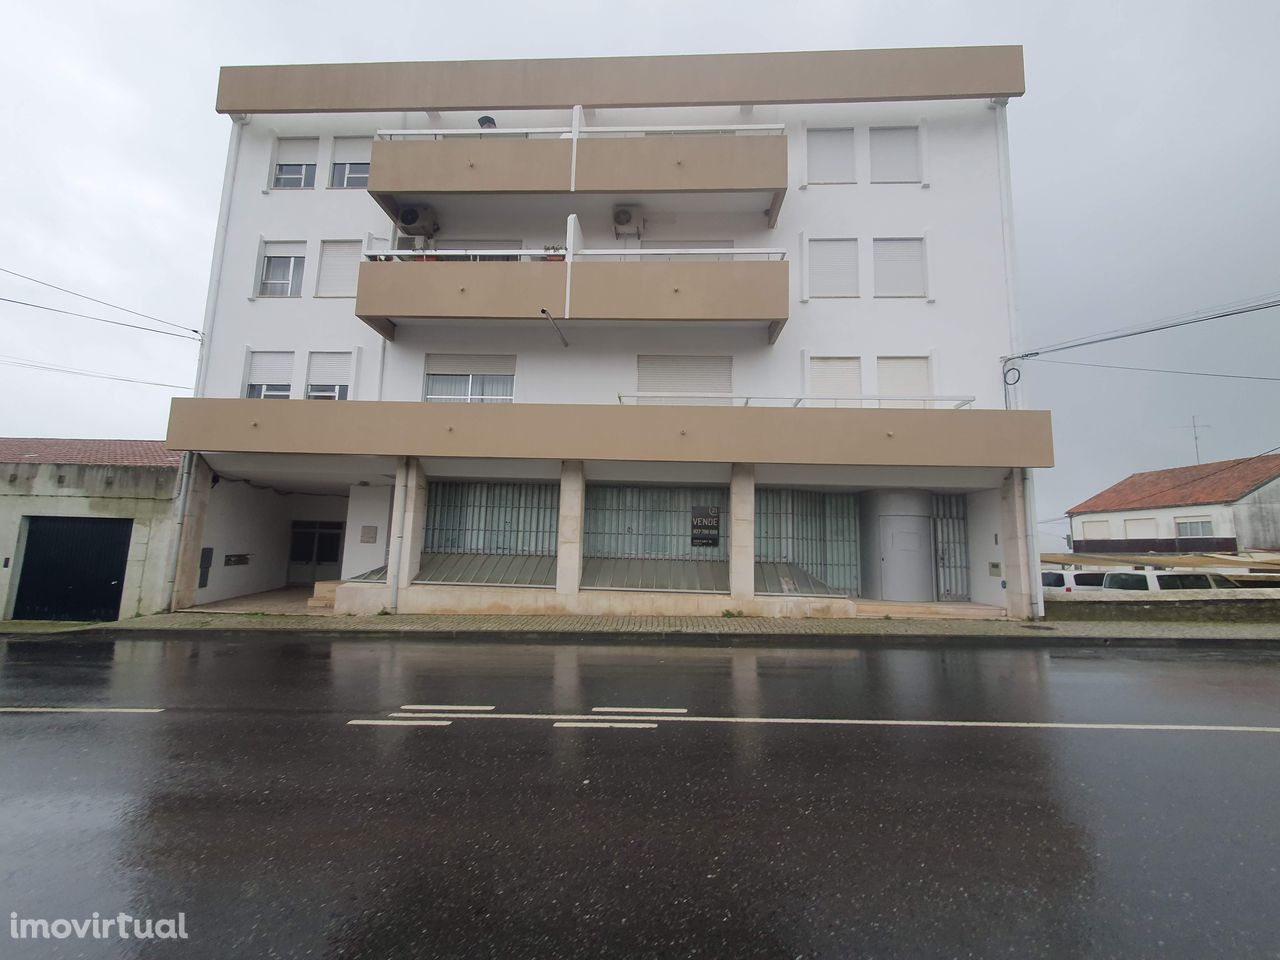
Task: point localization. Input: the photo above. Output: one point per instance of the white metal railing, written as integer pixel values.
(931, 402)
(732, 253)
(580, 132)
(385, 256)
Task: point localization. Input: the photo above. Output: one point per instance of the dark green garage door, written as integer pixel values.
(73, 568)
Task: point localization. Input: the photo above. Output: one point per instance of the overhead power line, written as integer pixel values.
(114, 323)
(1217, 313)
(74, 371)
(1185, 373)
(105, 303)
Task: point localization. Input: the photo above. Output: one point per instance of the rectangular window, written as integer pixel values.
(339, 266)
(295, 164)
(1194, 526)
(899, 266)
(833, 268)
(903, 377)
(350, 168)
(833, 378)
(695, 381)
(328, 376)
(282, 265)
(895, 155)
(1095, 530)
(469, 378)
(1143, 528)
(270, 375)
(830, 156)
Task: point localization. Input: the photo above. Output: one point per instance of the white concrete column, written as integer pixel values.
(415, 521)
(573, 495)
(742, 531)
(1013, 541)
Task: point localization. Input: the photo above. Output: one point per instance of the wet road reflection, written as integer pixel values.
(251, 805)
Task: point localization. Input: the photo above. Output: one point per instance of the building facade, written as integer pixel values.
(87, 528)
(1228, 506)
(662, 335)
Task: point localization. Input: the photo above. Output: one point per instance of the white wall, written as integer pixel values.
(366, 506)
(984, 522)
(1165, 518)
(143, 494)
(1257, 518)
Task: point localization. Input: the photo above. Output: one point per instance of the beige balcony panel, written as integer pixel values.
(672, 290)
(470, 165)
(682, 163)
(949, 438)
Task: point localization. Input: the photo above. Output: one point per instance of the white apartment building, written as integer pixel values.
(637, 335)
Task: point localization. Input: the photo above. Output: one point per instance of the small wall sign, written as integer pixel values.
(368, 534)
(705, 531)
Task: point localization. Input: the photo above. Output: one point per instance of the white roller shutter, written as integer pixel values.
(903, 377)
(835, 377)
(830, 156)
(270, 367)
(899, 266)
(329, 368)
(464, 363)
(895, 155)
(339, 266)
(1143, 528)
(1096, 529)
(833, 268)
(284, 248)
(352, 150)
(687, 376)
(297, 151)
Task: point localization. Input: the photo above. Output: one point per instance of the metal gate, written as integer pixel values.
(73, 568)
(651, 523)
(505, 519)
(806, 542)
(951, 546)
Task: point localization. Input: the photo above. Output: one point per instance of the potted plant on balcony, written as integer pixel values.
(553, 251)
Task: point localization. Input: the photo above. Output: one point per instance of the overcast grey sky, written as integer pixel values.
(1144, 164)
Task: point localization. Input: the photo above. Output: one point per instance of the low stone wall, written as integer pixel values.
(1206, 606)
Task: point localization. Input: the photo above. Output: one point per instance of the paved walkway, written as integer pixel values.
(668, 628)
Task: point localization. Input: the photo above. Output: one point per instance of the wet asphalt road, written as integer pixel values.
(252, 805)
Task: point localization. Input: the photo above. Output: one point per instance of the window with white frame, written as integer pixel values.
(1095, 530)
(295, 164)
(1194, 526)
(895, 154)
(835, 381)
(469, 378)
(899, 266)
(685, 380)
(830, 155)
(906, 377)
(350, 166)
(270, 375)
(832, 267)
(328, 375)
(280, 274)
(339, 267)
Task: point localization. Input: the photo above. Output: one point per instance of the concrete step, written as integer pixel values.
(326, 589)
(320, 603)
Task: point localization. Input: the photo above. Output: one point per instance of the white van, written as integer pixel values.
(1069, 581)
(1164, 580)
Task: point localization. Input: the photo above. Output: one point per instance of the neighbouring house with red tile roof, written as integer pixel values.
(87, 527)
(1227, 506)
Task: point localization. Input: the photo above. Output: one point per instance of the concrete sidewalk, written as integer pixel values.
(659, 629)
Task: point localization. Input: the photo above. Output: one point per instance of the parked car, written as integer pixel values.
(1164, 580)
(1069, 581)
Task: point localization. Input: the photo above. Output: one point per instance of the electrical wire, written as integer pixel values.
(85, 296)
(74, 371)
(1232, 465)
(114, 323)
(1185, 373)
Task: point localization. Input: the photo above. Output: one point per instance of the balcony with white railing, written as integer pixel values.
(863, 401)
(695, 285)
(746, 161)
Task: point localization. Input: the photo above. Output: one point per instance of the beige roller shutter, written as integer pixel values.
(899, 266)
(464, 363)
(297, 150)
(352, 149)
(830, 156)
(331, 368)
(903, 377)
(270, 367)
(339, 267)
(895, 155)
(833, 268)
(835, 377)
(687, 376)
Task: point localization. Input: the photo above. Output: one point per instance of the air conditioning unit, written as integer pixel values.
(627, 221)
(420, 221)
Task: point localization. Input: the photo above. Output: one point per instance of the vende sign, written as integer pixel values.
(705, 530)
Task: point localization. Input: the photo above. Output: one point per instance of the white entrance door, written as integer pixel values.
(906, 558)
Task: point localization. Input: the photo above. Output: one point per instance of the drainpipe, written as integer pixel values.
(1032, 541)
(395, 542)
(238, 123)
(175, 551)
(1013, 399)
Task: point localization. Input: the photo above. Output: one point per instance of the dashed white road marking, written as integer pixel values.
(440, 706)
(604, 725)
(845, 722)
(398, 723)
(81, 709)
(639, 710)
